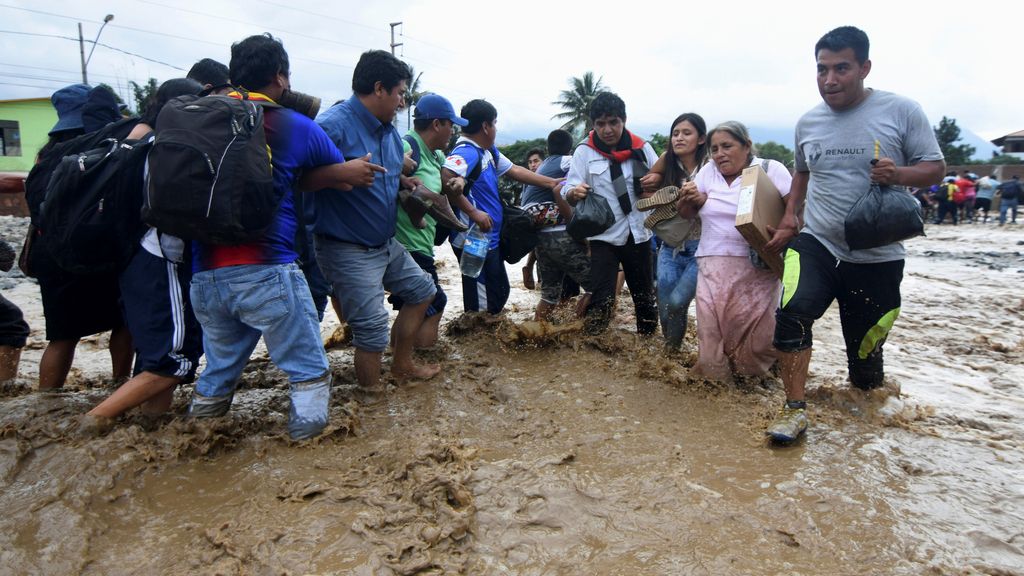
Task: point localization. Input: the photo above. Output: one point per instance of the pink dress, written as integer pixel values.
(736, 302)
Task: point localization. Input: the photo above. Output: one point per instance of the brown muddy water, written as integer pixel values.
(571, 456)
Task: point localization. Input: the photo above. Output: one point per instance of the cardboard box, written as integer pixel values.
(759, 206)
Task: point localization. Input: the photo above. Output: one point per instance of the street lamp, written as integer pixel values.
(81, 46)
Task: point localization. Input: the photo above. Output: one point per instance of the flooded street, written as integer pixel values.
(579, 456)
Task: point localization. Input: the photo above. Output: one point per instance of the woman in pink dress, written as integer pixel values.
(736, 300)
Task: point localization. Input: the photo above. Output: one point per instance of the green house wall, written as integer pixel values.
(35, 118)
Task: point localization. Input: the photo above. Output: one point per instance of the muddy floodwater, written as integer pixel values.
(553, 453)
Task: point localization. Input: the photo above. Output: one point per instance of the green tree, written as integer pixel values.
(576, 103)
(412, 94)
(776, 151)
(142, 94)
(516, 152)
(948, 134)
(659, 142)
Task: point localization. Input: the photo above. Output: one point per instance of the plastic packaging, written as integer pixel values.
(474, 252)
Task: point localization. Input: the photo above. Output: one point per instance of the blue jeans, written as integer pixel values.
(677, 285)
(238, 304)
(1008, 205)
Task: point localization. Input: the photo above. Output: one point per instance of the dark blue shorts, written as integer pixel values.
(167, 337)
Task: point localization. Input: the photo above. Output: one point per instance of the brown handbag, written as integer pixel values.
(26, 251)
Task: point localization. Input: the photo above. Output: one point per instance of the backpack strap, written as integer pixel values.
(474, 172)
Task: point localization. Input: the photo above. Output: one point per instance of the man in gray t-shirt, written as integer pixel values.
(855, 137)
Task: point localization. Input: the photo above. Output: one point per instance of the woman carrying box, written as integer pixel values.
(736, 299)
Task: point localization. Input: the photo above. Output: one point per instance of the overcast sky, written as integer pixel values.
(747, 61)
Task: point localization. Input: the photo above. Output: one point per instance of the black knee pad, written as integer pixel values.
(792, 332)
(869, 373)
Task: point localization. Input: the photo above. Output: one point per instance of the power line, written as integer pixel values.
(43, 78)
(96, 43)
(26, 85)
(432, 65)
(57, 70)
(225, 18)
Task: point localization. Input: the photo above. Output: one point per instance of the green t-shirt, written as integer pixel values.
(429, 172)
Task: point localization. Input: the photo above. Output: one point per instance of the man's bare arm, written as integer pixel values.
(789, 226)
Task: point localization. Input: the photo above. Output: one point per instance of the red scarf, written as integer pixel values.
(623, 150)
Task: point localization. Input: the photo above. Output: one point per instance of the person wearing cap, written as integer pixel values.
(80, 109)
(68, 102)
(355, 231)
(434, 121)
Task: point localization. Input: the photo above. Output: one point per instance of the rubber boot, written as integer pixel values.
(309, 411)
(209, 406)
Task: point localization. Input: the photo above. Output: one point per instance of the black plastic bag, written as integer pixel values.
(518, 234)
(882, 216)
(591, 216)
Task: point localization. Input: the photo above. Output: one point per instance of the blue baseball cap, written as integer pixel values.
(431, 106)
(68, 102)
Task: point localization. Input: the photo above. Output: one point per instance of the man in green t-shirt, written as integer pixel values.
(432, 127)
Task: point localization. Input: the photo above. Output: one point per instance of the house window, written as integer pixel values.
(10, 138)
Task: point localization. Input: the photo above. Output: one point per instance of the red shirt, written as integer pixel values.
(967, 186)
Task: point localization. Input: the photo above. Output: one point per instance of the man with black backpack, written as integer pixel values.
(82, 126)
(472, 171)
(242, 291)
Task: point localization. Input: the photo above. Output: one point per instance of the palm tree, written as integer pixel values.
(412, 95)
(576, 102)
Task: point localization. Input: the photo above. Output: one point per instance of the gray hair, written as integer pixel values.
(738, 132)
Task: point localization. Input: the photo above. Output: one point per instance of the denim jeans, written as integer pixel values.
(238, 304)
(360, 275)
(1010, 205)
(677, 285)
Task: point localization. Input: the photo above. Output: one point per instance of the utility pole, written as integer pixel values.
(81, 46)
(393, 44)
(81, 51)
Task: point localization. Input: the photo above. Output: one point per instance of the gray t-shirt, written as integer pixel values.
(837, 149)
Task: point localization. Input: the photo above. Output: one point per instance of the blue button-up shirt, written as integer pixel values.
(364, 216)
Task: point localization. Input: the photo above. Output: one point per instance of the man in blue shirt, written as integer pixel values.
(355, 243)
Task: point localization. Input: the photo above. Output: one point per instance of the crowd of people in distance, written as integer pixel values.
(362, 209)
(962, 197)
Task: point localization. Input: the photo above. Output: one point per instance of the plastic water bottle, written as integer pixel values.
(474, 252)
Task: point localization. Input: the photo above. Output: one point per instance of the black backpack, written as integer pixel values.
(210, 177)
(39, 177)
(518, 235)
(90, 215)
